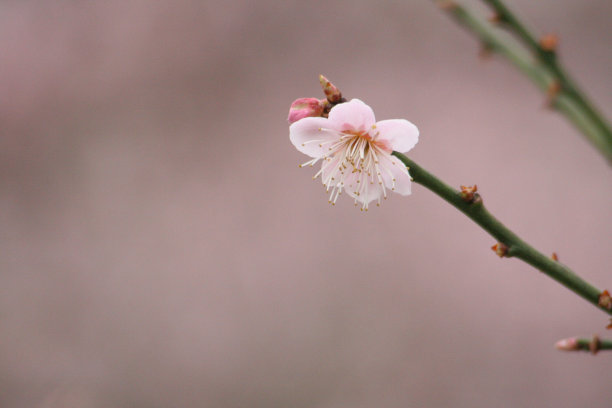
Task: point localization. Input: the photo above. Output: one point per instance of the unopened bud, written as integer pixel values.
(500, 249)
(447, 4)
(496, 18)
(332, 93)
(605, 300)
(570, 344)
(305, 107)
(553, 90)
(549, 42)
(467, 193)
(485, 52)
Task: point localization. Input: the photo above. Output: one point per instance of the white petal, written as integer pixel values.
(395, 176)
(311, 136)
(353, 115)
(398, 134)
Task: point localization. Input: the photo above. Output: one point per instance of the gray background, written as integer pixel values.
(159, 246)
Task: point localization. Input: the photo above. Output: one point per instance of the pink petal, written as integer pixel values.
(399, 134)
(373, 192)
(391, 168)
(311, 136)
(352, 187)
(354, 115)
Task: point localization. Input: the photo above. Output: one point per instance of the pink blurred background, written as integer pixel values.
(161, 248)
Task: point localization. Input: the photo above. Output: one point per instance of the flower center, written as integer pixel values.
(352, 162)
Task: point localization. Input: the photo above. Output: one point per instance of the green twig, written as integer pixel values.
(585, 343)
(593, 345)
(543, 69)
(513, 246)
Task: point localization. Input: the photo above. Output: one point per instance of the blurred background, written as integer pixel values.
(160, 247)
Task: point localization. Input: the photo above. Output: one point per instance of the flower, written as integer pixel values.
(355, 151)
(305, 107)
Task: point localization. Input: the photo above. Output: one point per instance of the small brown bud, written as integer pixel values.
(486, 51)
(447, 4)
(609, 326)
(496, 18)
(595, 344)
(549, 42)
(555, 257)
(605, 300)
(500, 249)
(551, 93)
(468, 193)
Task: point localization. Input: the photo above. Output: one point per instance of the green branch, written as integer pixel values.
(591, 345)
(542, 68)
(513, 246)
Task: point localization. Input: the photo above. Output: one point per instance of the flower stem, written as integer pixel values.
(516, 247)
(542, 68)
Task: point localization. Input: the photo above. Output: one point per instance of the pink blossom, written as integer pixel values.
(355, 151)
(305, 107)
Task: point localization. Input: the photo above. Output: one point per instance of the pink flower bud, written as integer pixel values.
(331, 92)
(570, 344)
(305, 107)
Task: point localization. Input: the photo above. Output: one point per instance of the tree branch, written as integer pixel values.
(510, 245)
